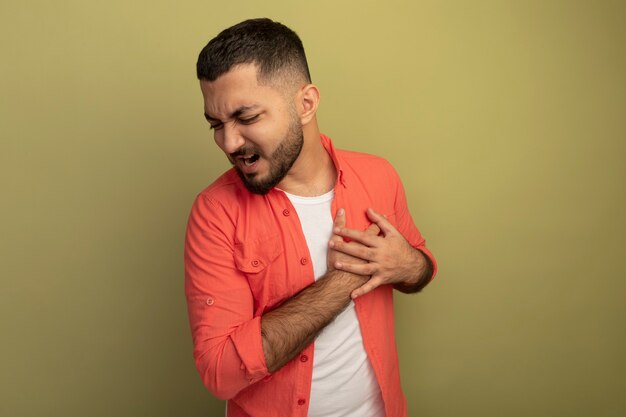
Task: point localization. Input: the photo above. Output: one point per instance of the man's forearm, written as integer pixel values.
(290, 328)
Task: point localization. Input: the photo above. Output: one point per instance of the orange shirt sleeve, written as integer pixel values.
(404, 221)
(228, 348)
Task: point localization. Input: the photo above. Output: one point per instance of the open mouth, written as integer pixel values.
(246, 159)
(249, 160)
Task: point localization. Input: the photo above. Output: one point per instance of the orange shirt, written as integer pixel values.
(246, 253)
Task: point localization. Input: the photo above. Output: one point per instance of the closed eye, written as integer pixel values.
(216, 126)
(249, 120)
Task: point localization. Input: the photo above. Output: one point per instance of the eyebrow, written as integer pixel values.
(238, 112)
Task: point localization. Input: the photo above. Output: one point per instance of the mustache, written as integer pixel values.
(244, 151)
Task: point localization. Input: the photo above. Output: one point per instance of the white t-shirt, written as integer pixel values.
(344, 384)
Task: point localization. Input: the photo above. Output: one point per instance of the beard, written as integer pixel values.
(280, 161)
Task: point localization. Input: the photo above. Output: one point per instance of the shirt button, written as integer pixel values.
(304, 261)
(304, 358)
(209, 301)
(255, 263)
(301, 401)
(286, 212)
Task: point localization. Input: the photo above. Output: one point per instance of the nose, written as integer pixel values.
(229, 138)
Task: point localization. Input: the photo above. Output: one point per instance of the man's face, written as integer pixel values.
(255, 125)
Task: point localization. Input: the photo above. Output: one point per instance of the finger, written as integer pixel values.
(360, 236)
(340, 222)
(367, 287)
(354, 249)
(373, 230)
(357, 269)
(340, 218)
(381, 221)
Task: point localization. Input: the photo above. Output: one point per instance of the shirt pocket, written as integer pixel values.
(257, 260)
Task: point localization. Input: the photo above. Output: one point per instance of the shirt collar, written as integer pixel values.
(328, 145)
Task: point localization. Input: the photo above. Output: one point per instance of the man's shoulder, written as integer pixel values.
(363, 163)
(224, 189)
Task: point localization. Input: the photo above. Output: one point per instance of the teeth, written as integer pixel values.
(250, 160)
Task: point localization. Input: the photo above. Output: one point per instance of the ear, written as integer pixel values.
(309, 99)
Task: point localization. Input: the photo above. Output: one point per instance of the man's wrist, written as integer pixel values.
(420, 274)
(347, 280)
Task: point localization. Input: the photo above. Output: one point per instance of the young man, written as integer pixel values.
(291, 311)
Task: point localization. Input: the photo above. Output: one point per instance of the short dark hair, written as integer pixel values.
(272, 46)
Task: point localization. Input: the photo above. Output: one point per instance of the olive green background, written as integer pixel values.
(505, 119)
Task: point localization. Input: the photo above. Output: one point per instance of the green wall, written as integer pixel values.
(506, 120)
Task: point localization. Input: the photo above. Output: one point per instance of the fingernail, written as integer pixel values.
(331, 244)
(340, 212)
(337, 229)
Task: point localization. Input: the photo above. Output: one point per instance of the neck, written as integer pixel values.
(314, 172)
